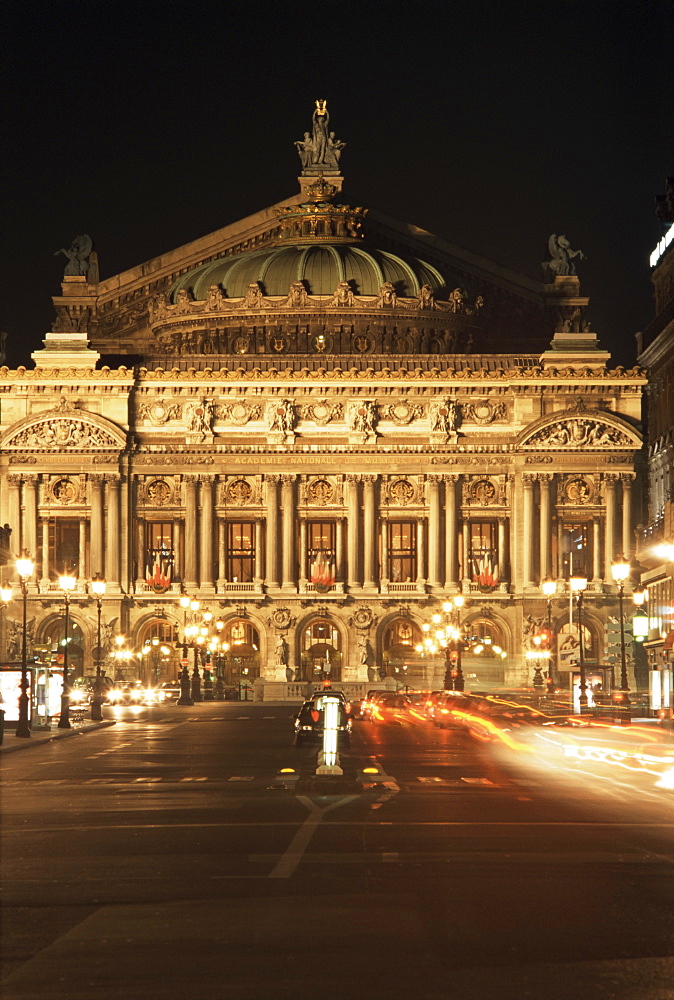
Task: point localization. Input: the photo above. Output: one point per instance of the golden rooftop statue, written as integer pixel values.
(319, 150)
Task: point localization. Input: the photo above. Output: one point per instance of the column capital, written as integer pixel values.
(14, 480)
(369, 480)
(190, 479)
(207, 479)
(434, 479)
(353, 479)
(611, 478)
(30, 478)
(273, 478)
(98, 478)
(544, 477)
(287, 480)
(450, 477)
(627, 477)
(529, 478)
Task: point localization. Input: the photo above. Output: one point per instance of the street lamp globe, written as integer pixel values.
(578, 584)
(620, 570)
(458, 600)
(639, 596)
(185, 602)
(5, 594)
(24, 567)
(549, 587)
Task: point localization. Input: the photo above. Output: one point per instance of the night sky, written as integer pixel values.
(491, 124)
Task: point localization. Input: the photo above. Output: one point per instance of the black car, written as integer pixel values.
(309, 721)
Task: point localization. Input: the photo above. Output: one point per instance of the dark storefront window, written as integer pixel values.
(64, 548)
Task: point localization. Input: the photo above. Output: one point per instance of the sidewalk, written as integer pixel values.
(12, 742)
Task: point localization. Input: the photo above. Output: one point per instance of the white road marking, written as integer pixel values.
(289, 861)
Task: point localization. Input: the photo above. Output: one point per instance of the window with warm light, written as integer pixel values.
(240, 552)
(402, 551)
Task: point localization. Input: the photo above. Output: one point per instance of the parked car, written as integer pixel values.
(170, 691)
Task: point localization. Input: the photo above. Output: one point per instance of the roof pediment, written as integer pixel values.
(64, 428)
(580, 428)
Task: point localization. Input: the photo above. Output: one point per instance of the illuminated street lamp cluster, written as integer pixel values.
(208, 647)
(446, 635)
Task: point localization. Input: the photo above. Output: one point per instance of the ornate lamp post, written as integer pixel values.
(578, 585)
(208, 677)
(67, 585)
(621, 570)
(5, 597)
(185, 697)
(549, 588)
(195, 689)
(98, 589)
(24, 567)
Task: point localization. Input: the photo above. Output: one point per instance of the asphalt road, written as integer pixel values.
(169, 857)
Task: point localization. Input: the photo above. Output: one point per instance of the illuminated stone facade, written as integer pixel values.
(321, 423)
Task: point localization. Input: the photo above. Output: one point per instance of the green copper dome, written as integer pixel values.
(320, 266)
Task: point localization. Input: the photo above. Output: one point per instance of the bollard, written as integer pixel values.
(328, 758)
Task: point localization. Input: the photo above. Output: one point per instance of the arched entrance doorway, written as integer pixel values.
(159, 659)
(55, 639)
(320, 652)
(484, 657)
(241, 656)
(400, 659)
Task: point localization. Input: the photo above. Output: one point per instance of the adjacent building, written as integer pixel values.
(656, 353)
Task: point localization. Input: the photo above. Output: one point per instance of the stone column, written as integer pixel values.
(544, 479)
(596, 550)
(45, 554)
(206, 535)
(434, 531)
(465, 538)
(628, 536)
(82, 568)
(353, 532)
(369, 534)
(383, 580)
(190, 575)
(29, 532)
(451, 532)
(112, 534)
(288, 506)
(257, 581)
(421, 554)
(503, 568)
(139, 542)
(96, 562)
(609, 525)
(339, 553)
(14, 520)
(272, 539)
(221, 553)
(303, 556)
(528, 529)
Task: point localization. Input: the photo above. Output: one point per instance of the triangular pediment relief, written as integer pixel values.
(64, 428)
(580, 428)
